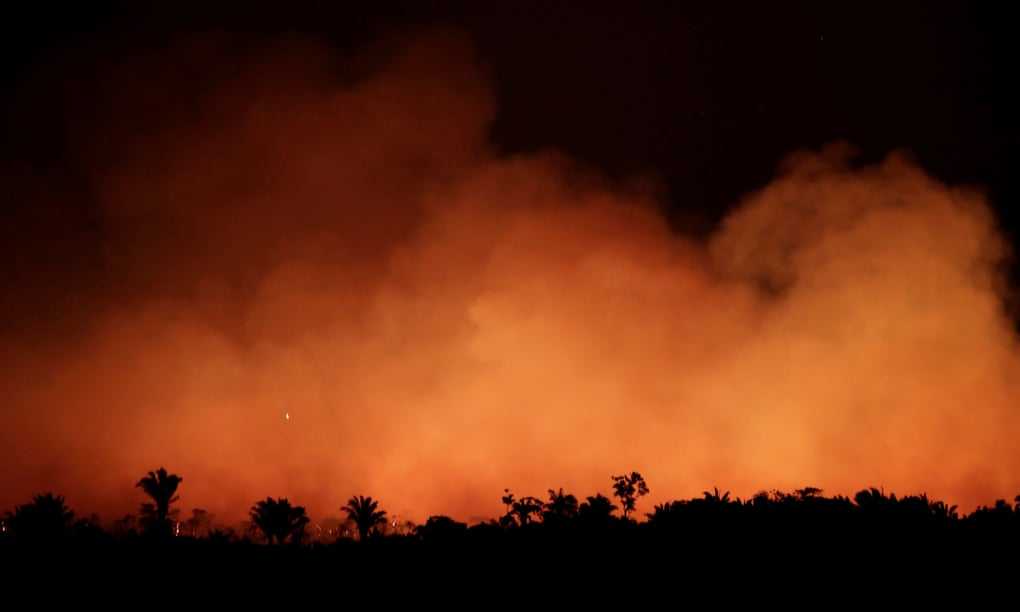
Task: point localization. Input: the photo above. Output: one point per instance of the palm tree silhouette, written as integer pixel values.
(873, 500)
(365, 513)
(278, 520)
(669, 515)
(716, 499)
(162, 488)
(943, 512)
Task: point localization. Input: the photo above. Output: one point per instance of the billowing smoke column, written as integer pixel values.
(318, 279)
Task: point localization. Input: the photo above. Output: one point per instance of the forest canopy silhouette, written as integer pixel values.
(318, 276)
(528, 526)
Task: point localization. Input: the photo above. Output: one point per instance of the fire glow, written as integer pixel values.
(449, 322)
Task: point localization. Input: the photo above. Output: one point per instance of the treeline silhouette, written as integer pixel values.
(802, 517)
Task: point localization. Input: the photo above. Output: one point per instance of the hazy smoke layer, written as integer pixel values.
(285, 232)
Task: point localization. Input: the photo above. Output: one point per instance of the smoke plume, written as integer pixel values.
(313, 277)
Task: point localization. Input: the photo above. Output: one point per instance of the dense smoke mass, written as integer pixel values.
(314, 276)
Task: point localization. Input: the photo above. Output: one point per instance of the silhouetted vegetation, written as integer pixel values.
(161, 487)
(628, 489)
(45, 519)
(596, 511)
(520, 511)
(278, 521)
(560, 509)
(714, 527)
(365, 513)
(199, 523)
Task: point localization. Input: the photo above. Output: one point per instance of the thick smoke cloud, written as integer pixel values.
(286, 231)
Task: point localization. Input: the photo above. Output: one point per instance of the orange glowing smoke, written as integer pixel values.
(288, 232)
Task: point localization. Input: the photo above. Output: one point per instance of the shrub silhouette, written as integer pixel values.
(45, 519)
(441, 529)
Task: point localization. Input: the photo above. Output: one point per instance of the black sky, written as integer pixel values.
(707, 97)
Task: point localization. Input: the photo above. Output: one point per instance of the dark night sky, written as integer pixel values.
(709, 99)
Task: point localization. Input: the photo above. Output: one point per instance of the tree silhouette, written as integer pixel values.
(596, 511)
(278, 520)
(507, 520)
(365, 513)
(199, 522)
(806, 492)
(561, 507)
(45, 518)
(162, 488)
(526, 507)
(629, 489)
